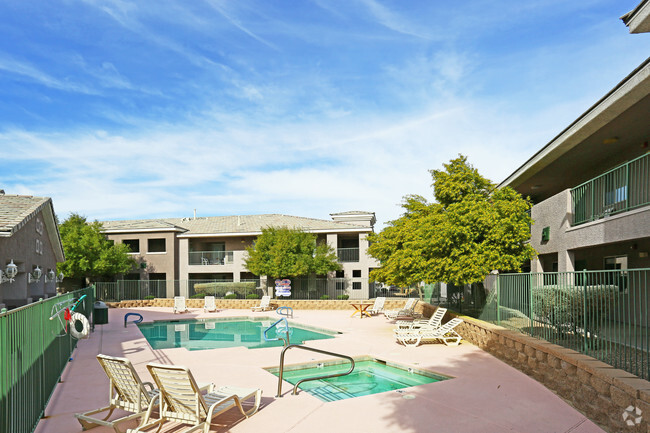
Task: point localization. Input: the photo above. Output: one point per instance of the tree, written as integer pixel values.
(471, 229)
(281, 252)
(89, 255)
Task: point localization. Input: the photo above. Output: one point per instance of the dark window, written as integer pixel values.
(356, 273)
(132, 277)
(356, 285)
(157, 276)
(156, 246)
(340, 274)
(133, 244)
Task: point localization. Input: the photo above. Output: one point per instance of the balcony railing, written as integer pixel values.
(348, 254)
(211, 257)
(621, 189)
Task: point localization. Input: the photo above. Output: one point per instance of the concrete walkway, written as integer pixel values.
(485, 395)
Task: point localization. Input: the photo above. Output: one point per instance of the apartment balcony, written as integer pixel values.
(621, 189)
(348, 254)
(207, 258)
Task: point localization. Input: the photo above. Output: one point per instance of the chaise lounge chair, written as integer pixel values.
(179, 305)
(433, 322)
(209, 304)
(265, 304)
(446, 333)
(126, 392)
(181, 399)
(407, 311)
(378, 307)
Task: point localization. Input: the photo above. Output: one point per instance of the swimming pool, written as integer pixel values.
(222, 333)
(370, 376)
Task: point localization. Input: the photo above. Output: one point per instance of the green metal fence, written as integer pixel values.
(603, 314)
(34, 350)
(618, 190)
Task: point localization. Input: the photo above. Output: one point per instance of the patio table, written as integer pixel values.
(360, 308)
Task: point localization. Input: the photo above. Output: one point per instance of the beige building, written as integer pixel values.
(214, 248)
(30, 247)
(591, 184)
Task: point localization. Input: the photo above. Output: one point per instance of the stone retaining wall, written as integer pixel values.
(598, 390)
(244, 304)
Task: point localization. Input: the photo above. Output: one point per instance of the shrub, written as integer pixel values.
(215, 288)
(252, 296)
(343, 297)
(197, 296)
(149, 297)
(325, 297)
(231, 296)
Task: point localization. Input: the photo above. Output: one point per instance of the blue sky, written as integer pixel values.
(124, 109)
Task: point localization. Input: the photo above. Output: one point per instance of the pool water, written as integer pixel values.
(370, 376)
(220, 333)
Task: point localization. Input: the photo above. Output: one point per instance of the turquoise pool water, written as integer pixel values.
(220, 333)
(370, 376)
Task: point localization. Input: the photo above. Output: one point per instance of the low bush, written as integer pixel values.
(149, 297)
(231, 296)
(343, 297)
(325, 297)
(252, 296)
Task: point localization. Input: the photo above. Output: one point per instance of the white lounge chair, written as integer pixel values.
(433, 322)
(209, 304)
(179, 305)
(407, 311)
(378, 306)
(265, 304)
(126, 392)
(181, 399)
(446, 333)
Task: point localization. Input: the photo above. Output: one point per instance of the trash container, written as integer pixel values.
(100, 313)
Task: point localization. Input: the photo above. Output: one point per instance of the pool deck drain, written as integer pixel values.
(486, 394)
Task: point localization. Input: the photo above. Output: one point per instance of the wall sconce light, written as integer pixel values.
(35, 275)
(9, 273)
(59, 278)
(50, 276)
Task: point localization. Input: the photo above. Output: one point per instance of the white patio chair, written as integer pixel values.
(125, 391)
(378, 306)
(416, 336)
(209, 304)
(179, 304)
(433, 322)
(407, 311)
(265, 304)
(181, 400)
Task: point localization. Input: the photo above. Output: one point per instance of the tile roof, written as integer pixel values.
(230, 224)
(353, 212)
(17, 210)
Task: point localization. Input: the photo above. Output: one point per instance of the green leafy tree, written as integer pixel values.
(89, 255)
(281, 252)
(471, 229)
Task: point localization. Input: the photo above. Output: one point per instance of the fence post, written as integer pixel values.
(530, 306)
(584, 310)
(498, 302)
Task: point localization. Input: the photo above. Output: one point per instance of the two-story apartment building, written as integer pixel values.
(590, 185)
(30, 247)
(214, 248)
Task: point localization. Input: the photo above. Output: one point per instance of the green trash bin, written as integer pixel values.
(100, 313)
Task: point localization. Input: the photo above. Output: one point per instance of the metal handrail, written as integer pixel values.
(285, 311)
(311, 349)
(286, 324)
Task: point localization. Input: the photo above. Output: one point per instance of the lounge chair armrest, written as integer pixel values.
(149, 385)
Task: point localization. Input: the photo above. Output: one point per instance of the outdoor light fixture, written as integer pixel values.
(35, 275)
(50, 276)
(9, 274)
(59, 278)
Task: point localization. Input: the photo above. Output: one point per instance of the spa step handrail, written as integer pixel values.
(311, 349)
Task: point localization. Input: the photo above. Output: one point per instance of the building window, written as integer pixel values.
(133, 244)
(156, 246)
(356, 273)
(356, 285)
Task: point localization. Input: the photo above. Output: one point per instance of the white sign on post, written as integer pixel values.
(283, 288)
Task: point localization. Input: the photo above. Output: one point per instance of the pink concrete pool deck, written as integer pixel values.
(485, 395)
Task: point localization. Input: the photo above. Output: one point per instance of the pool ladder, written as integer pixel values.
(311, 349)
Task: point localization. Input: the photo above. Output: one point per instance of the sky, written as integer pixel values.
(123, 109)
